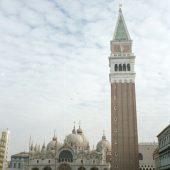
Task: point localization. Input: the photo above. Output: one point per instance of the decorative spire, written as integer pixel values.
(121, 33)
(79, 130)
(39, 148)
(31, 147)
(79, 122)
(43, 146)
(74, 129)
(30, 144)
(35, 147)
(54, 138)
(104, 136)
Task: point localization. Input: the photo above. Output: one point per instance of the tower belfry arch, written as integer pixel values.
(123, 102)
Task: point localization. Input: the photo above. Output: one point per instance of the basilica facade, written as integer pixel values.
(74, 153)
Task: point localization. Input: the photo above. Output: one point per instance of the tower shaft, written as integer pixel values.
(124, 127)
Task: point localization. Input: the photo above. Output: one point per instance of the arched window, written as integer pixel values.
(120, 67)
(128, 67)
(140, 156)
(116, 67)
(124, 67)
(66, 156)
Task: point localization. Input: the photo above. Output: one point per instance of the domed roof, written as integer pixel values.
(54, 143)
(79, 130)
(77, 140)
(103, 144)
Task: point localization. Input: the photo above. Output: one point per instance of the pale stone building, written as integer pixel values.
(146, 160)
(74, 153)
(4, 139)
(164, 149)
(19, 161)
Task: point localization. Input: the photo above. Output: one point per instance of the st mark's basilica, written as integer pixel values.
(74, 153)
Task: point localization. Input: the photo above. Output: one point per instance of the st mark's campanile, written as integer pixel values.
(124, 135)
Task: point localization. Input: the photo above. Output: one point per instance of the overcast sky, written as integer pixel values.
(54, 67)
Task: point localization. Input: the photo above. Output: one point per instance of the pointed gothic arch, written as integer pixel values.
(140, 156)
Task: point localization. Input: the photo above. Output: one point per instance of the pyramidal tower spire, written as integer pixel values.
(121, 33)
(124, 134)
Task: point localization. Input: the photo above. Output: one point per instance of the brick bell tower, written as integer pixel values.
(124, 133)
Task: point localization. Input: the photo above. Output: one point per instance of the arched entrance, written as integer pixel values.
(64, 167)
(35, 168)
(94, 168)
(47, 168)
(81, 168)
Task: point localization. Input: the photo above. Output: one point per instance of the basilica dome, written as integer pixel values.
(54, 143)
(77, 139)
(103, 144)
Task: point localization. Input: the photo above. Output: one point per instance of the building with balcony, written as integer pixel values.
(19, 161)
(164, 148)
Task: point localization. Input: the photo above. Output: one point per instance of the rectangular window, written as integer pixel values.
(19, 165)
